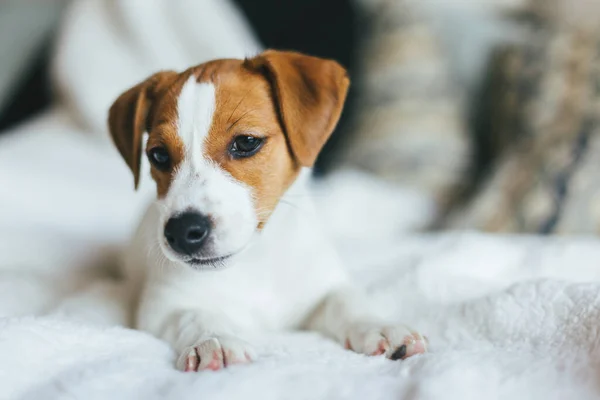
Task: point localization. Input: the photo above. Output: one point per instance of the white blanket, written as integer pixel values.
(507, 317)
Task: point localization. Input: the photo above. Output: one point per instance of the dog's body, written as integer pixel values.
(228, 141)
(274, 284)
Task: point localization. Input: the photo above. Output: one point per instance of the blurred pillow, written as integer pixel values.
(409, 129)
(544, 127)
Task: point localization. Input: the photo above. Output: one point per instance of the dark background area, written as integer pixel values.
(32, 93)
(330, 29)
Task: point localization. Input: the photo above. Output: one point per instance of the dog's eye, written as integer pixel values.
(245, 146)
(159, 157)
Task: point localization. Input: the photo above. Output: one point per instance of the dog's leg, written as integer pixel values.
(204, 340)
(345, 316)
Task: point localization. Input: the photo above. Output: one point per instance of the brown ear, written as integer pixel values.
(128, 118)
(310, 93)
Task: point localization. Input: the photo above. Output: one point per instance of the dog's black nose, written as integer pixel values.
(187, 232)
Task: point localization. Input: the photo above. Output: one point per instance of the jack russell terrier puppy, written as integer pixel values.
(220, 254)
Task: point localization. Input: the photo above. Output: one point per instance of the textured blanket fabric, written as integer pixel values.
(497, 330)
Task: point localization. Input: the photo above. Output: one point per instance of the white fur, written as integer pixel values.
(287, 277)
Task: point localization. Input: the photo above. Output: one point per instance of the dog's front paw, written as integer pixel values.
(215, 353)
(396, 342)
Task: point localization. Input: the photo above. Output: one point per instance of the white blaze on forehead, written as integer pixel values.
(201, 185)
(195, 109)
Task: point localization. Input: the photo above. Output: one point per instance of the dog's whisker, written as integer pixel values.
(289, 203)
(308, 195)
(262, 212)
(238, 105)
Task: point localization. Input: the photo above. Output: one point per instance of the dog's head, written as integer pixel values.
(225, 141)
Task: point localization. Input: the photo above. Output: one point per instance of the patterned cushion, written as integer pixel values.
(409, 129)
(543, 132)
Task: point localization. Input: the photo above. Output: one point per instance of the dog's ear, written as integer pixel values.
(128, 118)
(310, 94)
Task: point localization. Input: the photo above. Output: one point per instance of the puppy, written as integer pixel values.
(219, 256)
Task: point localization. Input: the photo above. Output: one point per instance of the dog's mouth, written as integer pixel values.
(203, 261)
(209, 262)
(214, 263)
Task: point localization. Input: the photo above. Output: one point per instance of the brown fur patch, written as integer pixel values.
(163, 132)
(246, 107)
